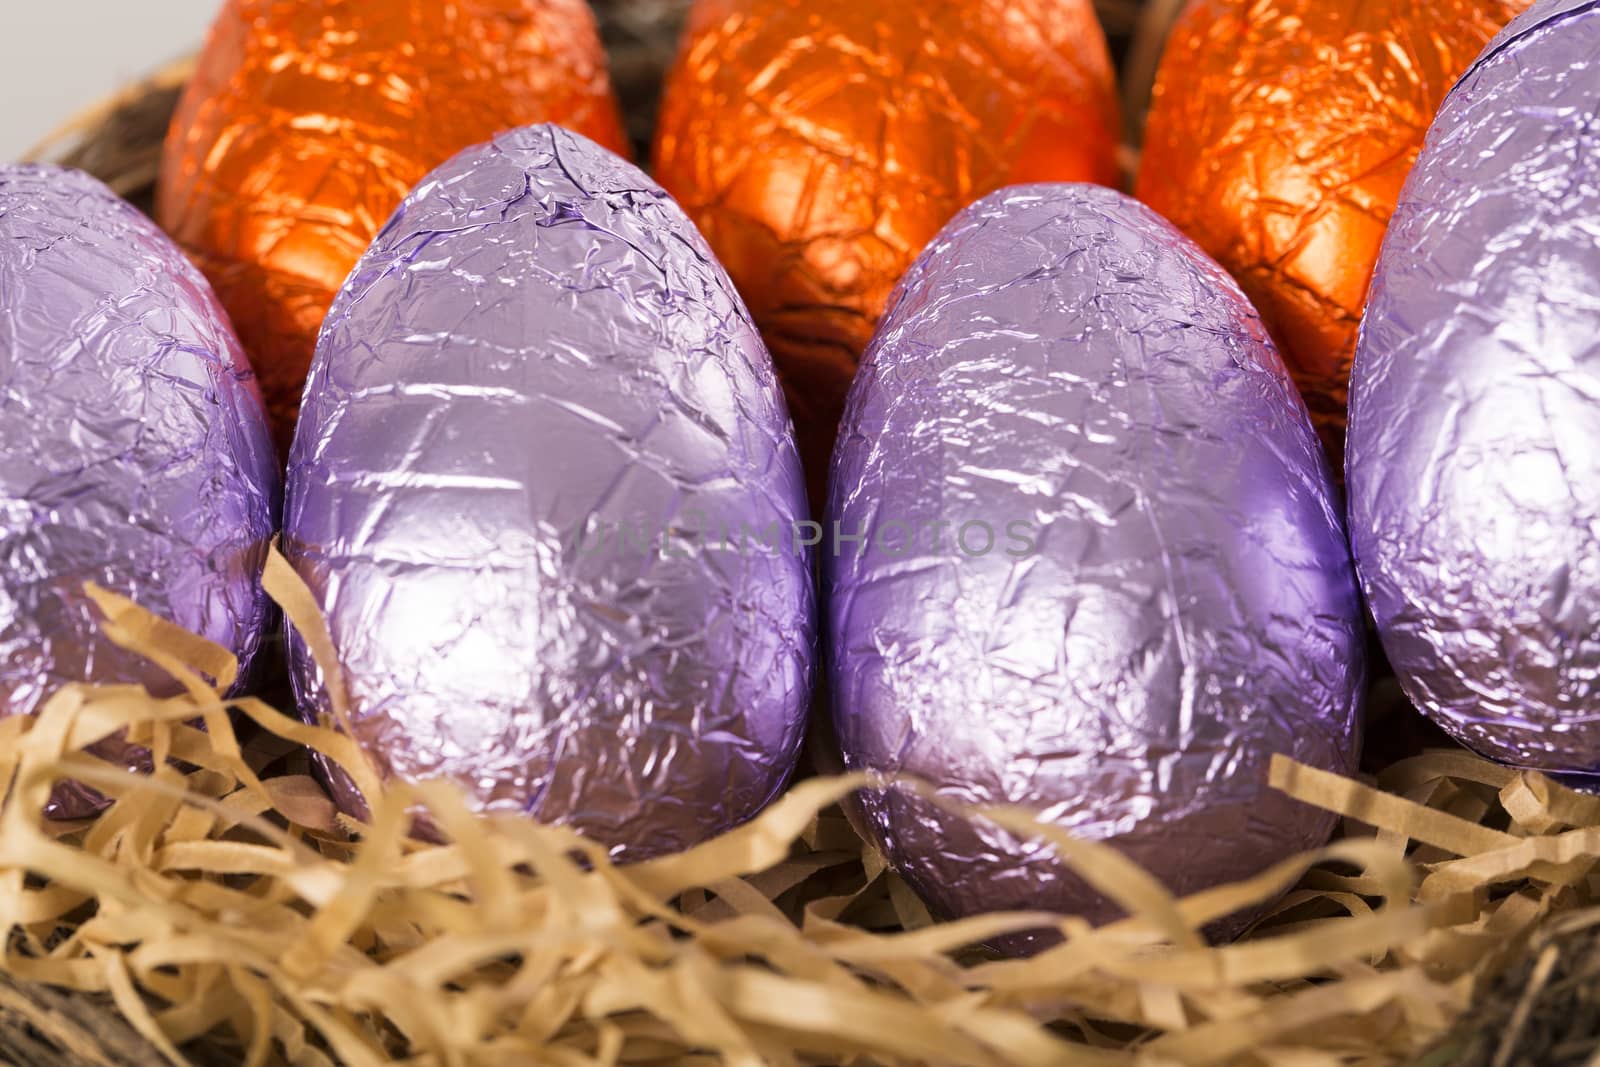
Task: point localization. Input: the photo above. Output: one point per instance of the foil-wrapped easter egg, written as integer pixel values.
(1099, 572)
(307, 121)
(821, 145)
(1280, 135)
(136, 451)
(547, 493)
(1474, 475)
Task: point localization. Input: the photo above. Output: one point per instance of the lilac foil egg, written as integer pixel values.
(1474, 462)
(1101, 573)
(546, 490)
(133, 449)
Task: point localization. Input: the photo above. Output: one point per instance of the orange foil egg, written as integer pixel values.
(1281, 134)
(821, 144)
(308, 121)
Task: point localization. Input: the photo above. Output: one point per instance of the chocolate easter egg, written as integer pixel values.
(135, 449)
(1089, 562)
(547, 494)
(1474, 479)
(307, 121)
(820, 146)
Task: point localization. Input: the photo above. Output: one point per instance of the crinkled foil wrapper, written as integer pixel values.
(1279, 138)
(821, 145)
(1474, 477)
(307, 122)
(1177, 606)
(136, 451)
(544, 488)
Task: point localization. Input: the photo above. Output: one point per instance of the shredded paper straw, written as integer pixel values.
(223, 897)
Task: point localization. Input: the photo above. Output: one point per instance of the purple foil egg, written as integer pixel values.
(545, 489)
(1101, 573)
(136, 452)
(1474, 461)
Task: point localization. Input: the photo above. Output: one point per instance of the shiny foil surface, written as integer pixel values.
(1169, 599)
(820, 144)
(543, 487)
(1474, 478)
(1280, 135)
(136, 451)
(307, 121)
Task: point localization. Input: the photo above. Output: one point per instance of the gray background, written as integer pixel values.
(60, 56)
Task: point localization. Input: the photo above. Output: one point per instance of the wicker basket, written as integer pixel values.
(1232, 1003)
